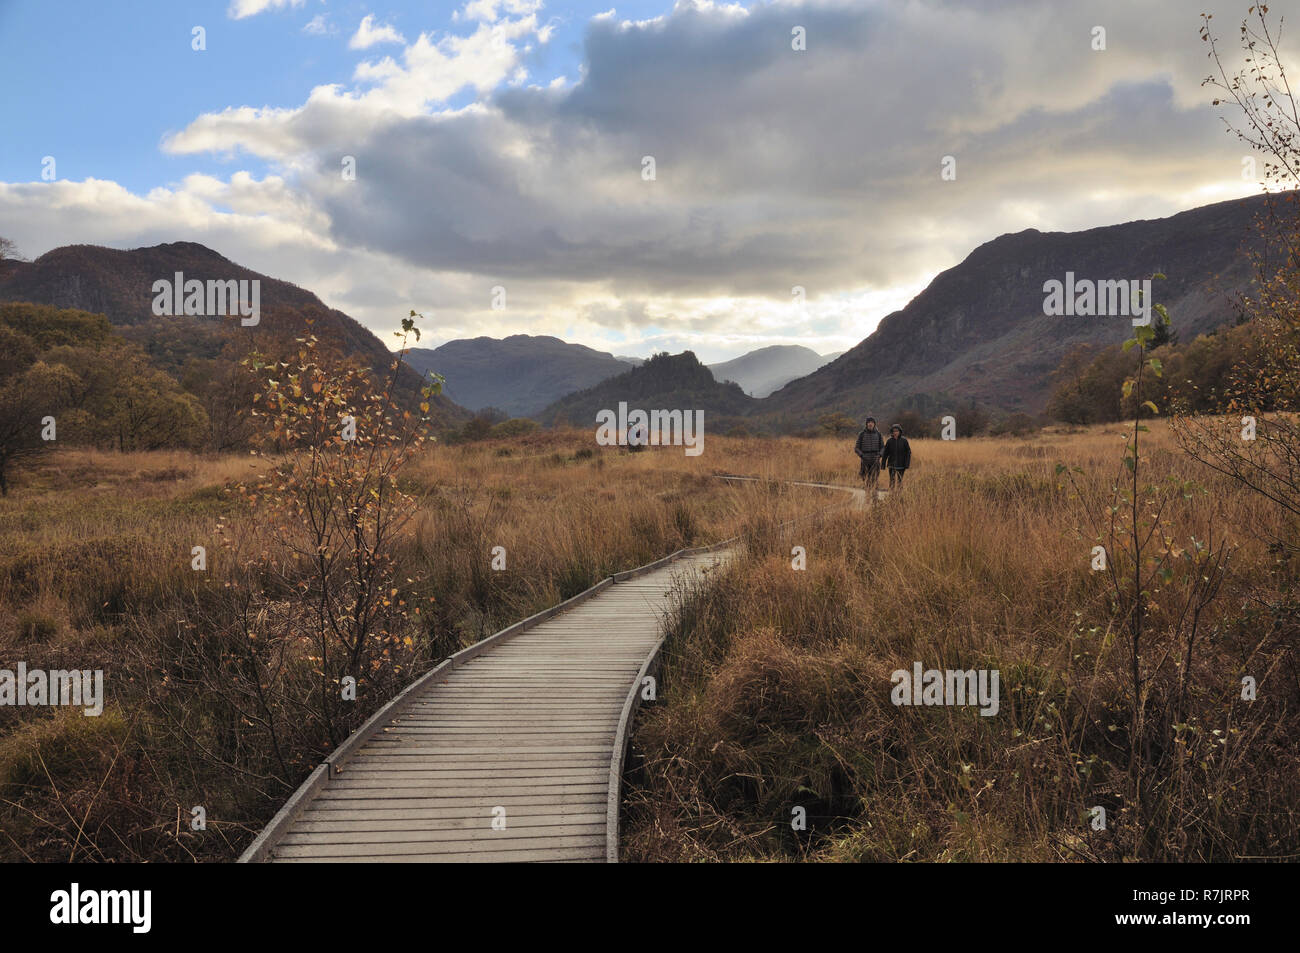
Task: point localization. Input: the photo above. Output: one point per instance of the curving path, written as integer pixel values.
(511, 750)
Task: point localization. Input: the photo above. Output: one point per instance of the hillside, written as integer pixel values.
(664, 382)
(520, 374)
(118, 284)
(762, 371)
(978, 331)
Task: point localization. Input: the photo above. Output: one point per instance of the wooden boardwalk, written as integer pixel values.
(511, 750)
(514, 754)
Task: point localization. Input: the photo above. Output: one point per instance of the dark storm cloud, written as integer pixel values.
(774, 167)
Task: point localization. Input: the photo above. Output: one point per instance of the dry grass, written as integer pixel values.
(776, 689)
(775, 692)
(95, 573)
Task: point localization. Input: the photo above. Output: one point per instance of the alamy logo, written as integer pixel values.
(36, 687)
(678, 428)
(75, 906)
(1087, 298)
(947, 687)
(210, 299)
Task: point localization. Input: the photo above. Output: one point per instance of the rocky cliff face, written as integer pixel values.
(978, 331)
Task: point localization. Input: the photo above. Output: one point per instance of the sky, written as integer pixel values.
(497, 150)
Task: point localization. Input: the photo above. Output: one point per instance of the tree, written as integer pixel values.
(1258, 447)
(972, 419)
(225, 388)
(1154, 607)
(1164, 335)
(7, 249)
(476, 428)
(914, 424)
(837, 424)
(514, 427)
(337, 441)
(1086, 385)
(27, 399)
(125, 403)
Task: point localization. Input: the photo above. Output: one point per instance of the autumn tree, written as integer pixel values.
(337, 442)
(33, 392)
(837, 424)
(1159, 584)
(1258, 446)
(29, 404)
(120, 401)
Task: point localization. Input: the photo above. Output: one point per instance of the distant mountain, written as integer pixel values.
(118, 284)
(832, 356)
(979, 332)
(762, 371)
(634, 361)
(520, 374)
(664, 382)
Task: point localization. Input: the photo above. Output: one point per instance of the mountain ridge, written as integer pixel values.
(663, 382)
(118, 283)
(520, 374)
(764, 369)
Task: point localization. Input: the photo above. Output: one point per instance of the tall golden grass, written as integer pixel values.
(95, 573)
(775, 692)
(776, 684)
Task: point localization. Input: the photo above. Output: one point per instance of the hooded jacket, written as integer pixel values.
(898, 453)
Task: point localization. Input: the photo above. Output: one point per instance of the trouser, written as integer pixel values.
(895, 476)
(869, 470)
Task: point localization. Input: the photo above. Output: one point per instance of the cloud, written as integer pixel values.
(774, 167)
(240, 9)
(369, 35)
(319, 25)
(489, 11)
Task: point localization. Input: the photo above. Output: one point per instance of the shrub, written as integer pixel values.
(513, 427)
(36, 627)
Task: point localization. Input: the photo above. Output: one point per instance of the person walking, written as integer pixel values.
(868, 448)
(897, 455)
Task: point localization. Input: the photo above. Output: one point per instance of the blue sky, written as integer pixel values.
(109, 80)
(500, 143)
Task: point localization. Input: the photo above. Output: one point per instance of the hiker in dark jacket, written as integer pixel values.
(897, 455)
(868, 448)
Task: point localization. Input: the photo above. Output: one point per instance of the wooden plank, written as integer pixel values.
(469, 822)
(398, 761)
(540, 748)
(455, 837)
(545, 855)
(540, 773)
(437, 811)
(363, 800)
(457, 789)
(502, 845)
